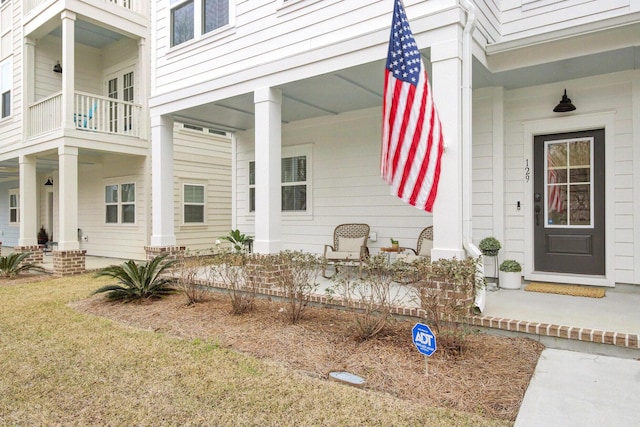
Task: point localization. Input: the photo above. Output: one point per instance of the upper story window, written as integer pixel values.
(120, 203)
(14, 206)
(5, 87)
(192, 18)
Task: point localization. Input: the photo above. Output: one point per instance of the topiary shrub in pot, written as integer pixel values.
(490, 246)
(510, 274)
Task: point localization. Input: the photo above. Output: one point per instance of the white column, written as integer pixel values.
(68, 198)
(268, 108)
(446, 79)
(28, 201)
(68, 67)
(142, 77)
(163, 233)
(28, 84)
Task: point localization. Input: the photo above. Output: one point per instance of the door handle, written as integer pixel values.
(537, 210)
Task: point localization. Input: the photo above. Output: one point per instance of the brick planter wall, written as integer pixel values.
(36, 253)
(449, 295)
(68, 263)
(172, 252)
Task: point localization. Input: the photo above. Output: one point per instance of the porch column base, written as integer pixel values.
(172, 252)
(69, 263)
(36, 253)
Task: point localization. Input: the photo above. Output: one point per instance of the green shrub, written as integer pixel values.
(239, 242)
(510, 266)
(138, 281)
(12, 265)
(490, 246)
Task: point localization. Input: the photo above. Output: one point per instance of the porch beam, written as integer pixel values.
(268, 154)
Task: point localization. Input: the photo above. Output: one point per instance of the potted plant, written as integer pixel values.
(43, 237)
(239, 242)
(394, 244)
(490, 246)
(510, 277)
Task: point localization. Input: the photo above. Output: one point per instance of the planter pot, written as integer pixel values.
(510, 280)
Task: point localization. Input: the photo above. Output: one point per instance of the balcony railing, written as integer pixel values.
(133, 5)
(92, 113)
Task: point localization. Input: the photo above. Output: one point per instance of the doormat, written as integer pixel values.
(573, 290)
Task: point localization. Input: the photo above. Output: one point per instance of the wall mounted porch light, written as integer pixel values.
(57, 68)
(565, 104)
(49, 181)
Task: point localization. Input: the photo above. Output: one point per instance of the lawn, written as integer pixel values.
(63, 367)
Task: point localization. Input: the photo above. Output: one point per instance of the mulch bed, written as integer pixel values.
(489, 378)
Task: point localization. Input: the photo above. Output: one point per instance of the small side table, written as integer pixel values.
(391, 253)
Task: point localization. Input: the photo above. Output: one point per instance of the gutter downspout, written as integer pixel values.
(467, 183)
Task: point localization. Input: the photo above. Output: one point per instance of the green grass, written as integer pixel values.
(60, 367)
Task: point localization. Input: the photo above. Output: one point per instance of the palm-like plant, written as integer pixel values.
(12, 265)
(138, 281)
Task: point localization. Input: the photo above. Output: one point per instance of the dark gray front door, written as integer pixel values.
(569, 203)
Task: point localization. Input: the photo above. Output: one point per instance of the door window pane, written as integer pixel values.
(569, 182)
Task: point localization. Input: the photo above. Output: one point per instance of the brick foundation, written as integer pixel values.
(172, 252)
(36, 253)
(68, 263)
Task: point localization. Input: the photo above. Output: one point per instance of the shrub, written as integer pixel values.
(232, 271)
(138, 281)
(510, 266)
(239, 242)
(13, 264)
(443, 288)
(192, 274)
(490, 246)
(371, 297)
(297, 275)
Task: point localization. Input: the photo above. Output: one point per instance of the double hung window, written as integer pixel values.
(193, 18)
(14, 207)
(193, 203)
(120, 203)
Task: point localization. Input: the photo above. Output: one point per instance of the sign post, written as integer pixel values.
(425, 342)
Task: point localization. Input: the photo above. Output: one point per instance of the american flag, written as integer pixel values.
(556, 202)
(412, 143)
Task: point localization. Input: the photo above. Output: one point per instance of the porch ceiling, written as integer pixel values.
(361, 87)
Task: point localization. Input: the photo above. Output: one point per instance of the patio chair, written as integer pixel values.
(349, 246)
(423, 248)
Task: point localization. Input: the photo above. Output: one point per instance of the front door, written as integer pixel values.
(568, 203)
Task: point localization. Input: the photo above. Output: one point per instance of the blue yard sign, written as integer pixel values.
(424, 339)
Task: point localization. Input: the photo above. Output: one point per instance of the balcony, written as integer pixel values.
(138, 6)
(91, 113)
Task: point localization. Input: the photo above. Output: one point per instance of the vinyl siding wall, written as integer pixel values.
(614, 92)
(203, 159)
(346, 184)
(524, 18)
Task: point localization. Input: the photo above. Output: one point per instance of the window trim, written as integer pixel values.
(287, 152)
(203, 204)
(198, 23)
(120, 204)
(14, 192)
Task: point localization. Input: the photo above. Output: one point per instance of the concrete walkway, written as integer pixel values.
(579, 389)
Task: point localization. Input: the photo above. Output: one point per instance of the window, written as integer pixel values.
(5, 87)
(193, 18)
(120, 203)
(295, 182)
(14, 207)
(193, 202)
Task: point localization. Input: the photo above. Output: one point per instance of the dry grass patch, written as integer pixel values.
(490, 379)
(64, 367)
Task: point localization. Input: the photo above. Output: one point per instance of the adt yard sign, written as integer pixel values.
(424, 339)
